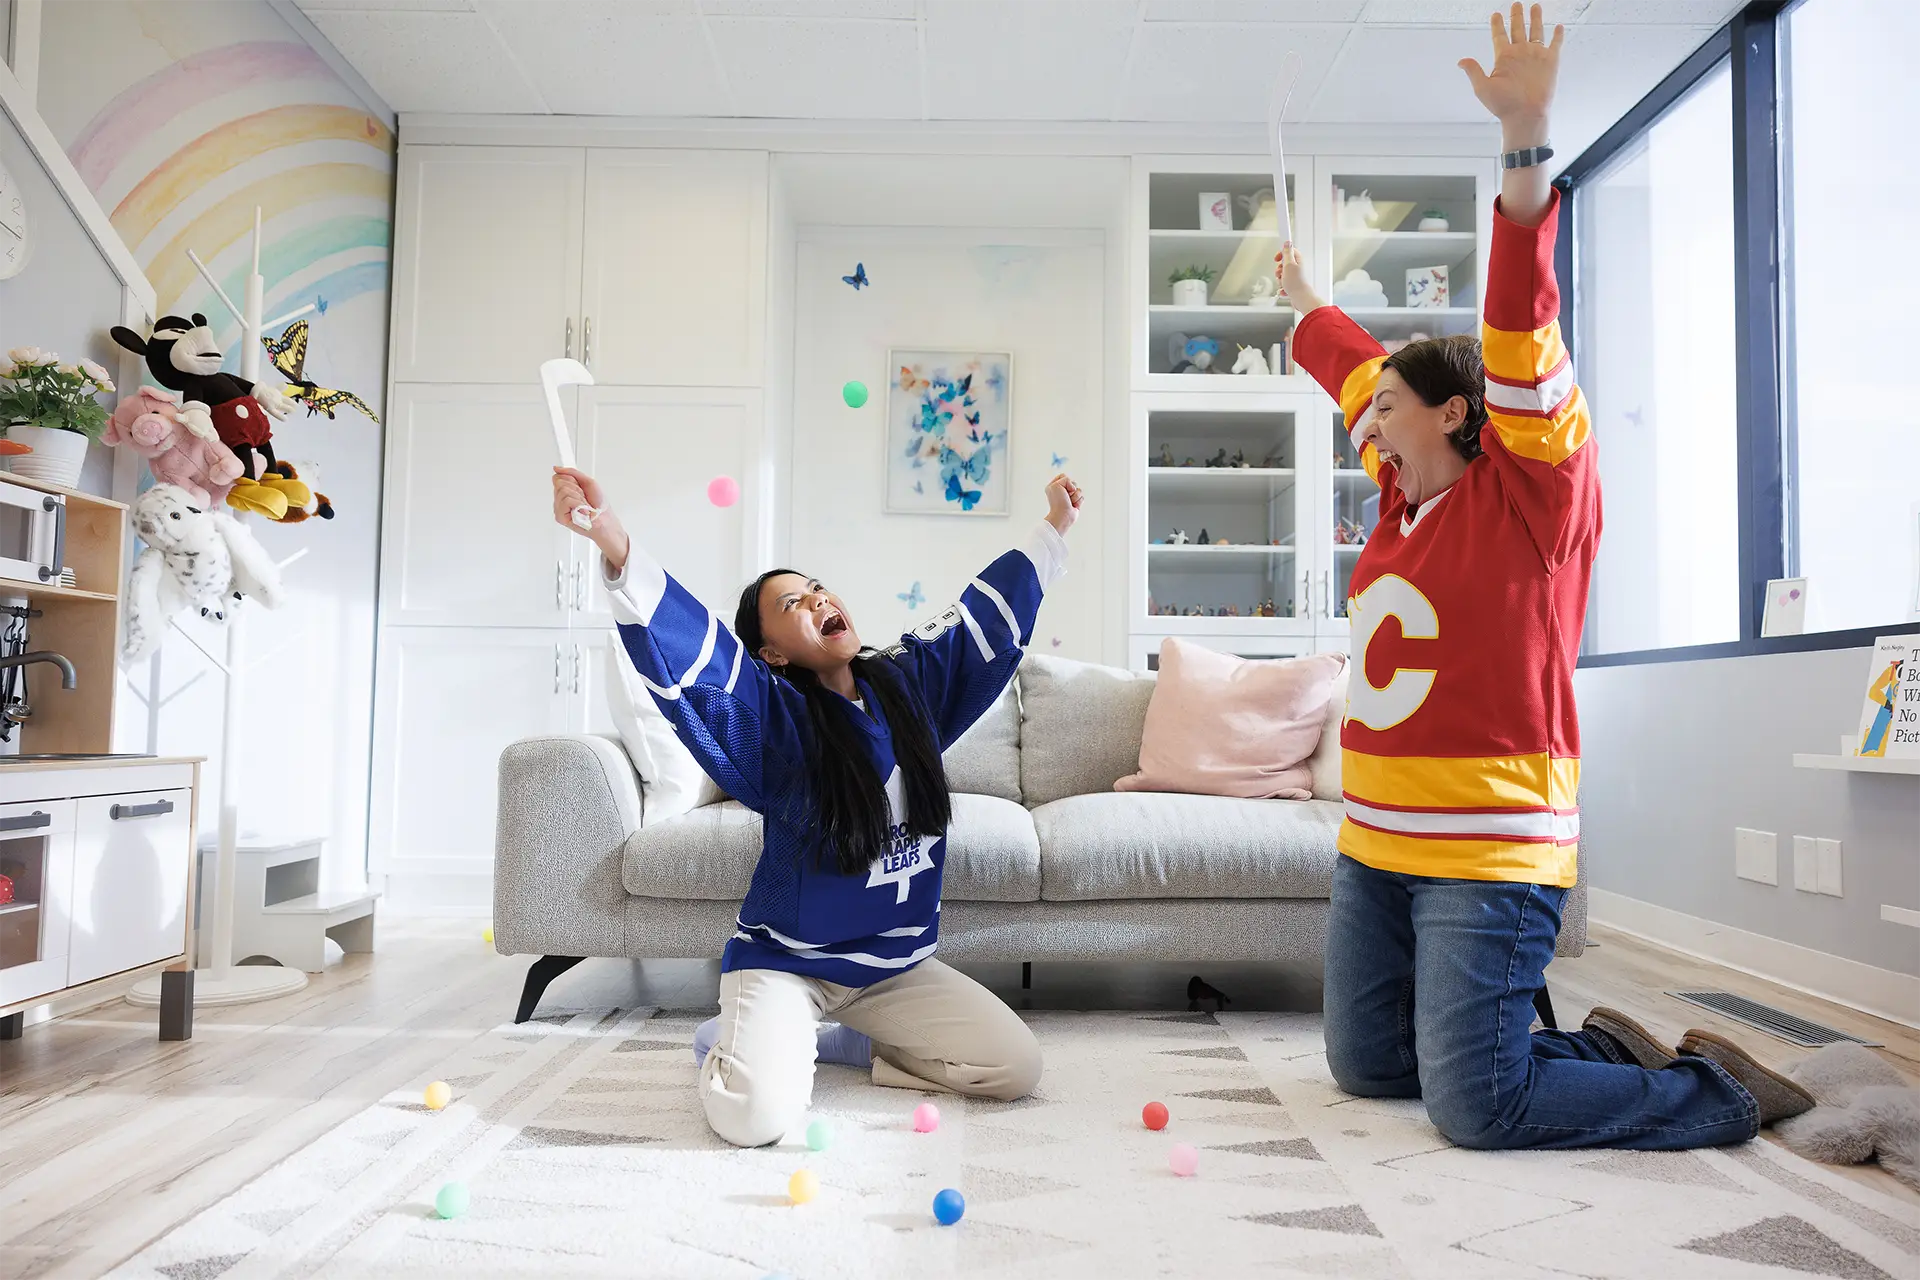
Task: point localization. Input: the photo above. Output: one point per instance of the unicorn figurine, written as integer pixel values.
(1250, 360)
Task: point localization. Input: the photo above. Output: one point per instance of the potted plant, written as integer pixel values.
(1190, 285)
(50, 408)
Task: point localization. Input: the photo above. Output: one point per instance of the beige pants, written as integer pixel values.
(932, 1028)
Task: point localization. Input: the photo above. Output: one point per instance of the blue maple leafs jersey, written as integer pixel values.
(748, 728)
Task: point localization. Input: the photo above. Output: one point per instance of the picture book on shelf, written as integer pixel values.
(1890, 717)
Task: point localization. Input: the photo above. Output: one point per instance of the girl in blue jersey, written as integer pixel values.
(837, 746)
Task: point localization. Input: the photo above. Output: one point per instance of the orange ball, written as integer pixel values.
(1154, 1115)
(438, 1095)
(803, 1186)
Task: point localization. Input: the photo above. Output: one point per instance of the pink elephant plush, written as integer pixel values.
(178, 441)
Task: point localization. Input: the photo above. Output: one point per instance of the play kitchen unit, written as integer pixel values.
(96, 849)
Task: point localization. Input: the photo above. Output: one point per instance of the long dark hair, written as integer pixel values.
(1437, 370)
(850, 810)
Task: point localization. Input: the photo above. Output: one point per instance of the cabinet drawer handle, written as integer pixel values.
(26, 821)
(586, 342)
(121, 812)
(568, 352)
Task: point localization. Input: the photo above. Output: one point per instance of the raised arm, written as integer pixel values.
(1536, 410)
(963, 657)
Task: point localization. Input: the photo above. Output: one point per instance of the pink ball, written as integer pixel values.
(926, 1118)
(723, 491)
(1184, 1159)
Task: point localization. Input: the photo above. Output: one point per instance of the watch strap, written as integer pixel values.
(1526, 158)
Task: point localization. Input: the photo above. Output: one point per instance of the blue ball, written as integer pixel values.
(948, 1206)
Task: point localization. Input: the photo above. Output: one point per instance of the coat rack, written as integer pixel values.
(224, 982)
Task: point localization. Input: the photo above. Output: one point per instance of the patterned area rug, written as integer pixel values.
(585, 1153)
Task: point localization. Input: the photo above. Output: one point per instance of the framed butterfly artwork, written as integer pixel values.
(949, 432)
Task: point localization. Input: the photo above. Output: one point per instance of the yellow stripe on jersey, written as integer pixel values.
(1356, 393)
(1538, 362)
(1512, 863)
(1443, 782)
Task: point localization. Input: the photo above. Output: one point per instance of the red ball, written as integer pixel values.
(1154, 1115)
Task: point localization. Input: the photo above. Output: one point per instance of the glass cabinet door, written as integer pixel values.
(1354, 512)
(1211, 241)
(1405, 251)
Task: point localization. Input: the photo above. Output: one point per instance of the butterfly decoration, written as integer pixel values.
(911, 382)
(319, 304)
(919, 486)
(1056, 642)
(1059, 461)
(289, 355)
(967, 498)
(913, 596)
(859, 277)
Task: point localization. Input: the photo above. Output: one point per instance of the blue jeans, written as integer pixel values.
(1429, 994)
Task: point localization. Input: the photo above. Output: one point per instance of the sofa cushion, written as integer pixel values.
(1324, 763)
(673, 782)
(986, 759)
(1155, 845)
(1081, 726)
(709, 854)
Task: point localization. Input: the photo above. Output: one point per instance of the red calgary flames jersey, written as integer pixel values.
(1461, 749)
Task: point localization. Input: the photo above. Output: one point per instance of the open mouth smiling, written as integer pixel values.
(835, 625)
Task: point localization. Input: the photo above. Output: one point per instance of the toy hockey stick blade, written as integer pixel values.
(1282, 94)
(555, 374)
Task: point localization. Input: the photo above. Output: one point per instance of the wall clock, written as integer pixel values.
(13, 226)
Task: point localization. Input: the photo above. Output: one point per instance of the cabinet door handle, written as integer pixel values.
(26, 821)
(586, 342)
(559, 584)
(580, 588)
(568, 350)
(576, 668)
(121, 812)
(556, 668)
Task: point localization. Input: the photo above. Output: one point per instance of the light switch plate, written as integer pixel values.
(1828, 852)
(1756, 855)
(1806, 864)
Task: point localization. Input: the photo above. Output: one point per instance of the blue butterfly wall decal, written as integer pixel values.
(913, 596)
(859, 277)
(1059, 461)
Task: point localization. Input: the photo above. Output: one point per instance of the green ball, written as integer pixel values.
(819, 1136)
(452, 1200)
(855, 394)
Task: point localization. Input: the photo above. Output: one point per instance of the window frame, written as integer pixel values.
(1763, 432)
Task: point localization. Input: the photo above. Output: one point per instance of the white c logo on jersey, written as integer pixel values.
(1389, 597)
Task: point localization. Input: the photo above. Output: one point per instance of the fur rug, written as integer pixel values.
(1868, 1111)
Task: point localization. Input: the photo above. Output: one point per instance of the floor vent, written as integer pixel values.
(1775, 1022)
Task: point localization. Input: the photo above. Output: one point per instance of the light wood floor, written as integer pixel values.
(108, 1137)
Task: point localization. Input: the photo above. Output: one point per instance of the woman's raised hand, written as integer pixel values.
(574, 489)
(1293, 281)
(1063, 503)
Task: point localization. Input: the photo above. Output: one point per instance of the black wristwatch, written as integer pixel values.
(1527, 157)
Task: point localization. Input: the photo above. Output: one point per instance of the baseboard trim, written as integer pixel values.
(1880, 992)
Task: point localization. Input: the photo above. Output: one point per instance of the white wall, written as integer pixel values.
(1676, 755)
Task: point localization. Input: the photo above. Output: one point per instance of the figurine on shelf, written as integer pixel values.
(1274, 460)
(1165, 458)
(1189, 463)
(1219, 459)
(1240, 460)
(1348, 533)
(1221, 542)
(1250, 360)
(1178, 538)
(1204, 541)
(1267, 610)
(1196, 356)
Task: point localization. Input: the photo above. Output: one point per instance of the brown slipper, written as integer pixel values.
(1634, 1040)
(1779, 1098)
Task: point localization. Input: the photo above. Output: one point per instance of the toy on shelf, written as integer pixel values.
(183, 356)
(194, 556)
(1165, 457)
(179, 444)
(1239, 461)
(1192, 355)
(1219, 459)
(1204, 540)
(1178, 538)
(1264, 292)
(1251, 360)
(1253, 205)
(1358, 289)
(1356, 213)
(1348, 533)
(1275, 460)
(1189, 463)
(1268, 611)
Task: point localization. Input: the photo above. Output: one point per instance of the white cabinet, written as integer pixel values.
(487, 283)
(131, 860)
(36, 860)
(469, 536)
(447, 700)
(674, 287)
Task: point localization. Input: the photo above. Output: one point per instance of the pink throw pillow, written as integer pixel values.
(1225, 726)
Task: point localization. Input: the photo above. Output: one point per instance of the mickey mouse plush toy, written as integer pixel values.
(184, 357)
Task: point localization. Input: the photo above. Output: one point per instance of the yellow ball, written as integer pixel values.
(486, 935)
(803, 1186)
(438, 1095)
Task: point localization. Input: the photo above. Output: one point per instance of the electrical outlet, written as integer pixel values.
(1756, 855)
(1806, 864)
(1828, 853)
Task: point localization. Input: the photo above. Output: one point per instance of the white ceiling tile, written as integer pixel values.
(1697, 13)
(1215, 73)
(821, 70)
(898, 10)
(1462, 13)
(611, 57)
(430, 61)
(418, 6)
(1254, 10)
(1389, 75)
(1007, 60)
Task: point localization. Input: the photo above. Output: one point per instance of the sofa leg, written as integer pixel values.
(543, 972)
(1026, 975)
(1543, 1005)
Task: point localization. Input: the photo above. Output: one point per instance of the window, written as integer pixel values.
(1850, 234)
(1655, 355)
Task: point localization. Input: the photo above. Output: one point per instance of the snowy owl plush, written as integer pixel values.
(193, 557)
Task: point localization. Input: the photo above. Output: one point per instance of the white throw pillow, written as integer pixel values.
(1324, 763)
(674, 782)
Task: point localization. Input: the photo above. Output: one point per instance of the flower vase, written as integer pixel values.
(56, 458)
(1189, 293)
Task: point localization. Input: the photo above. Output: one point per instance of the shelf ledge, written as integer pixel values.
(1909, 765)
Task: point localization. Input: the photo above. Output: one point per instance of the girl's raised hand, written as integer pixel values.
(1063, 503)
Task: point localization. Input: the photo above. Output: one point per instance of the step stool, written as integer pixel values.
(280, 911)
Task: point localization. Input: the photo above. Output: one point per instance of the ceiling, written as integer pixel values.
(1205, 62)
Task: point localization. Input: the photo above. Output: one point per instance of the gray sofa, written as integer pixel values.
(1045, 860)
